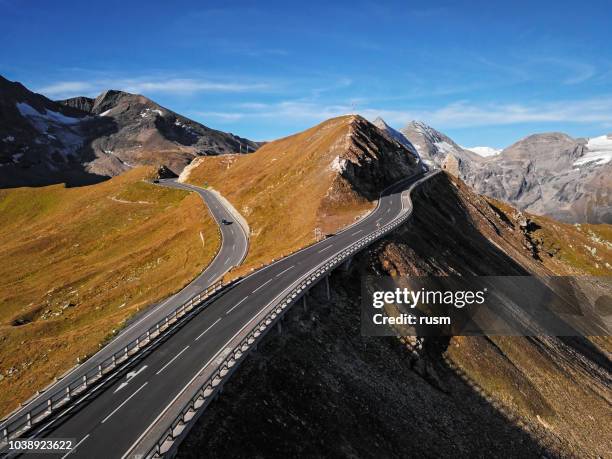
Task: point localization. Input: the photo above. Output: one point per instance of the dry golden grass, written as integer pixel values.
(283, 189)
(540, 386)
(78, 262)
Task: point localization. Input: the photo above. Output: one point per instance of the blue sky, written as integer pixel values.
(484, 72)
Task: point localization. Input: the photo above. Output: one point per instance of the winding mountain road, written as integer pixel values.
(123, 419)
(234, 246)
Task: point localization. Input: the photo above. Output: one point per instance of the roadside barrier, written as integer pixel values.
(13, 428)
(168, 442)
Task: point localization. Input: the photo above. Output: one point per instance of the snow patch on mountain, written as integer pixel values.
(57, 129)
(444, 147)
(49, 116)
(485, 152)
(150, 112)
(599, 152)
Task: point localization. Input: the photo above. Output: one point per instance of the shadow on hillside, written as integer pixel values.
(36, 172)
(320, 389)
(441, 230)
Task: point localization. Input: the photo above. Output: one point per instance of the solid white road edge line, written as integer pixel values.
(201, 370)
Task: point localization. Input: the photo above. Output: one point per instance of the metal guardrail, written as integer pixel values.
(36, 413)
(208, 389)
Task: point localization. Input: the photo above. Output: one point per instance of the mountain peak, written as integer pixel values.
(396, 135)
(84, 140)
(380, 123)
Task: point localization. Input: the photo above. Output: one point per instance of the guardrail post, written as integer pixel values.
(85, 380)
(114, 361)
(5, 433)
(137, 342)
(148, 336)
(99, 370)
(29, 419)
(125, 351)
(68, 391)
(49, 405)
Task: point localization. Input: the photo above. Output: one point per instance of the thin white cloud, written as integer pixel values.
(182, 86)
(466, 115)
(66, 87)
(462, 114)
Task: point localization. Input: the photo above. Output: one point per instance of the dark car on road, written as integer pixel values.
(226, 222)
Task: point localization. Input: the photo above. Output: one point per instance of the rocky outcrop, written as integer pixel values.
(451, 165)
(164, 173)
(369, 161)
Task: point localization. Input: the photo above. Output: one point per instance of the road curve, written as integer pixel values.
(111, 424)
(233, 249)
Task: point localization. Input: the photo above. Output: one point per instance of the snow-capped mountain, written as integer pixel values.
(599, 152)
(438, 150)
(485, 152)
(84, 140)
(549, 174)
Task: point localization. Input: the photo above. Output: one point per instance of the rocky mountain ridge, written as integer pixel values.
(549, 173)
(85, 140)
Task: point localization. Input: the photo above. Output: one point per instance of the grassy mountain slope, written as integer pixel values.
(324, 177)
(78, 262)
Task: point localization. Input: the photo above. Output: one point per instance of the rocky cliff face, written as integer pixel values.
(395, 135)
(84, 140)
(321, 389)
(549, 174)
(434, 147)
(369, 161)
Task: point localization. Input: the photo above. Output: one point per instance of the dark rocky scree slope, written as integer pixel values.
(84, 140)
(320, 389)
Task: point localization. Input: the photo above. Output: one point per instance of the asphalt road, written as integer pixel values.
(231, 253)
(110, 424)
